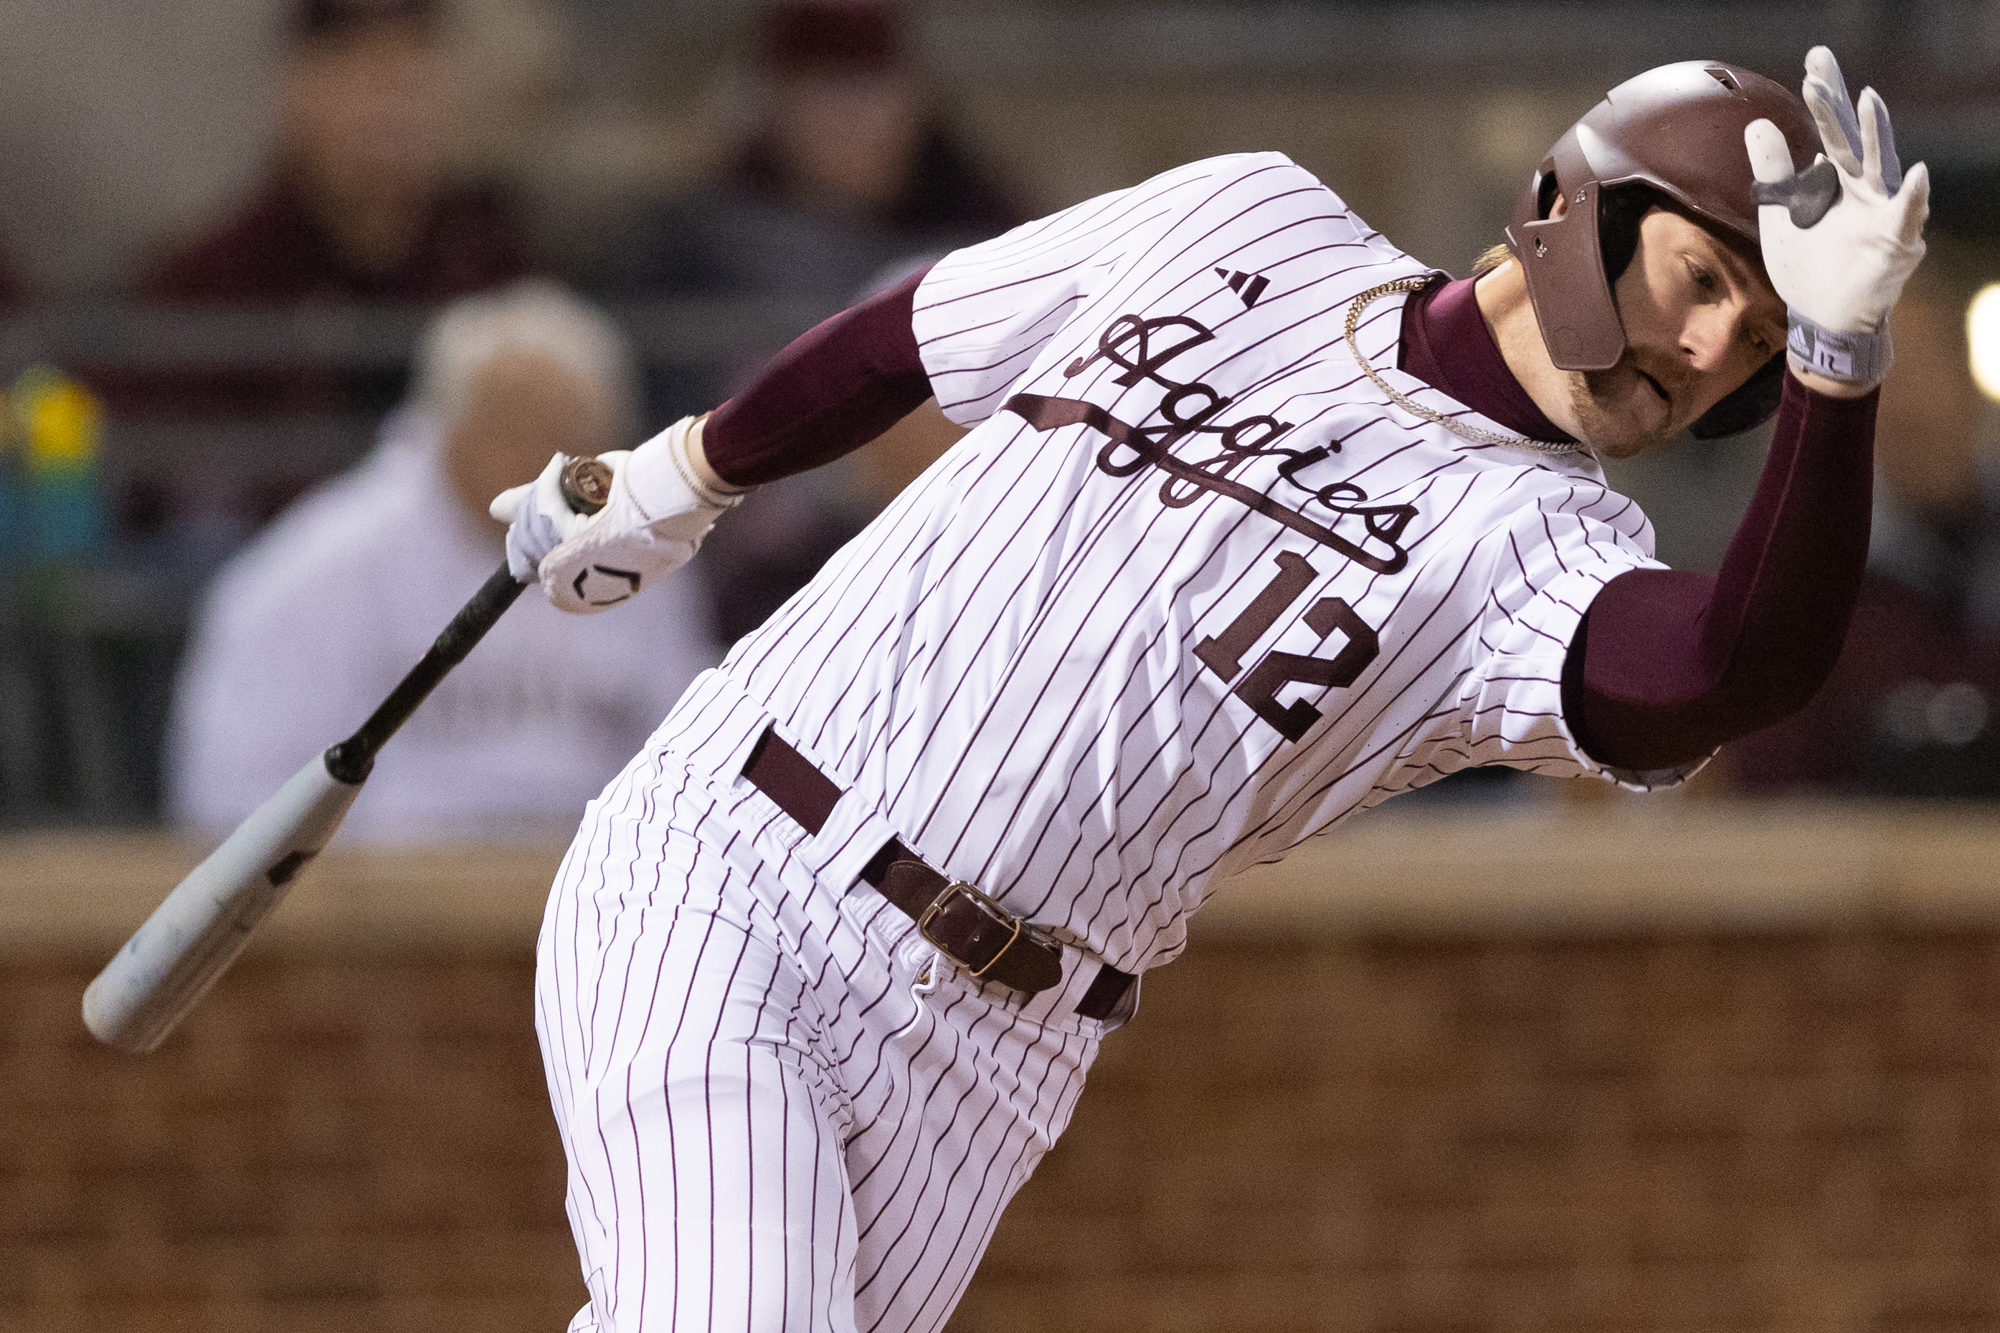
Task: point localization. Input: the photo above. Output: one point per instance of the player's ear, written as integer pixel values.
(1559, 207)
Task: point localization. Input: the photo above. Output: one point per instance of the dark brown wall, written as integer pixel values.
(331, 1143)
(1793, 1132)
(1699, 1134)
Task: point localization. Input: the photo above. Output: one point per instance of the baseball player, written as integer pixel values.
(1260, 522)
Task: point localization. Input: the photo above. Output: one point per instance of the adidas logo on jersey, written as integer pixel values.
(1249, 286)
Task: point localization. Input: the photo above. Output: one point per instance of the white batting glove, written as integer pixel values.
(1842, 237)
(653, 523)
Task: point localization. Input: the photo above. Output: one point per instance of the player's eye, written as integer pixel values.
(1701, 278)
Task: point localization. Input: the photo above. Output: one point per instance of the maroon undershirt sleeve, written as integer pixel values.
(1667, 665)
(831, 391)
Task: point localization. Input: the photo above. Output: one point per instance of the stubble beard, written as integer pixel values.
(1602, 424)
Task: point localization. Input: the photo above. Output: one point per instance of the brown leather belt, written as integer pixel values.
(965, 925)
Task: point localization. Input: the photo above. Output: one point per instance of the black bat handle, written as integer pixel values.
(586, 485)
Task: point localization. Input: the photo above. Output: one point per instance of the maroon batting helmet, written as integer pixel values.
(1677, 129)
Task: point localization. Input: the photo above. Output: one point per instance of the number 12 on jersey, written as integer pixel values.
(1223, 653)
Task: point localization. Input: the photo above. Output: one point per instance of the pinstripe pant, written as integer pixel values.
(781, 1109)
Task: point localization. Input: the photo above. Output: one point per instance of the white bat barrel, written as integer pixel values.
(172, 960)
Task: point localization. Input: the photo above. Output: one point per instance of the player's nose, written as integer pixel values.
(1716, 335)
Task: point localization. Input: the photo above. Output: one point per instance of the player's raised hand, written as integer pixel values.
(1842, 237)
(653, 522)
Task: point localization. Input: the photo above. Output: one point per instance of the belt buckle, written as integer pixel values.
(971, 893)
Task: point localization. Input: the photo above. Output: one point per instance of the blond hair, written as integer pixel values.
(1492, 257)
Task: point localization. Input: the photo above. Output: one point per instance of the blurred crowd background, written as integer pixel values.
(288, 288)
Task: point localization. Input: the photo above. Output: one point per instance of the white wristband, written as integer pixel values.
(653, 487)
(1859, 357)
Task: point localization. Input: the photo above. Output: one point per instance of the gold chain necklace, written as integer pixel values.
(1462, 429)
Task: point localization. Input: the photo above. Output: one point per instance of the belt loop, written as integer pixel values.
(791, 780)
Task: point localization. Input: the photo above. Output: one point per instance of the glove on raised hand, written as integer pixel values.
(1841, 237)
(657, 514)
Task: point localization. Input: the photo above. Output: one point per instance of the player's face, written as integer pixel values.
(1700, 317)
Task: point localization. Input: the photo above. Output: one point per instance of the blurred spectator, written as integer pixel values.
(1911, 707)
(848, 166)
(356, 206)
(309, 627)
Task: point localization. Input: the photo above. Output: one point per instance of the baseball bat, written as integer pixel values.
(173, 959)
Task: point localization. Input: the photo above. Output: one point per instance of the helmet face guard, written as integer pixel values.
(1678, 129)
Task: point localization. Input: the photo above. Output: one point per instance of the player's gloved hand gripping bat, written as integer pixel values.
(657, 509)
(184, 946)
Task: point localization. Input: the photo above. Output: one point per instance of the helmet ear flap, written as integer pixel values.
(1562, 261)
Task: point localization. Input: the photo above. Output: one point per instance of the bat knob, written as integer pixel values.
(586, 484)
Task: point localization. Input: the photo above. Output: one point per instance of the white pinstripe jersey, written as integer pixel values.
(1193, 589)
